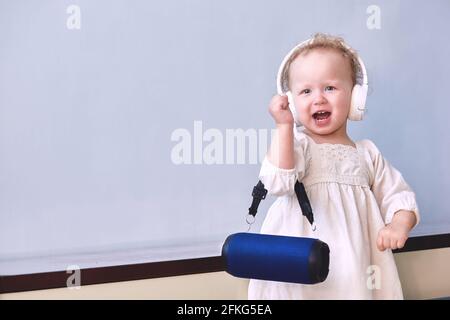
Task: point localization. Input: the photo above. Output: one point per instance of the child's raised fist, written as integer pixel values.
(279, 110)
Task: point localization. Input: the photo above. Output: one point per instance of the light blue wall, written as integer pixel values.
(87, 115)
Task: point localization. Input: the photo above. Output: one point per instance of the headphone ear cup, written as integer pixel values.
(358, 102)
(292, 108)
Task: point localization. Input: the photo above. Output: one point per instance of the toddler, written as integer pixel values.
(362, 206)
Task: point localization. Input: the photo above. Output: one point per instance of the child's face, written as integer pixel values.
(321, 81)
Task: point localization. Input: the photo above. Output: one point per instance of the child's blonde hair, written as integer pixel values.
(324, 41)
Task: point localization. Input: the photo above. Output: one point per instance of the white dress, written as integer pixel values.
(353, 192)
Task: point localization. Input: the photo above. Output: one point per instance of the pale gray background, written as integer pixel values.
(87, 116)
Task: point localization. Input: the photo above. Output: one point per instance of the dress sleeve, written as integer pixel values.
(280, 182)
(391, 191)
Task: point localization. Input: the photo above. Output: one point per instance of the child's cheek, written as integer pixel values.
(342, 102)
(303, 112)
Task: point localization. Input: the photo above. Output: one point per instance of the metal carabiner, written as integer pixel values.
(252, 220)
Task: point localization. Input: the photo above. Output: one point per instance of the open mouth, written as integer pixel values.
(321, 115)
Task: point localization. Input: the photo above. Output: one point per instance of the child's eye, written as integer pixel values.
(327, 88)
(305, 91)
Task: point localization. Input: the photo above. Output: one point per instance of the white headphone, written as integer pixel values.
(359, 92)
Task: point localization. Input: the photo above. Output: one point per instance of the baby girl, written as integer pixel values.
(363, 208)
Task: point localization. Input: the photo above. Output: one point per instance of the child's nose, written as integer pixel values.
(319, 99)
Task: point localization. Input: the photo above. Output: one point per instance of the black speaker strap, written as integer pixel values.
(259, 193)
(303, 200)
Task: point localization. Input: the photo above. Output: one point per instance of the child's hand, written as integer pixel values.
(392, 237)
(395, 234)
(279, 109)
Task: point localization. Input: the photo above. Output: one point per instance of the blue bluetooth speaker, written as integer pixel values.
(276, 258)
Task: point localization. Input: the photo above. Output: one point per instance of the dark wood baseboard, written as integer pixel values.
(58, 279)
